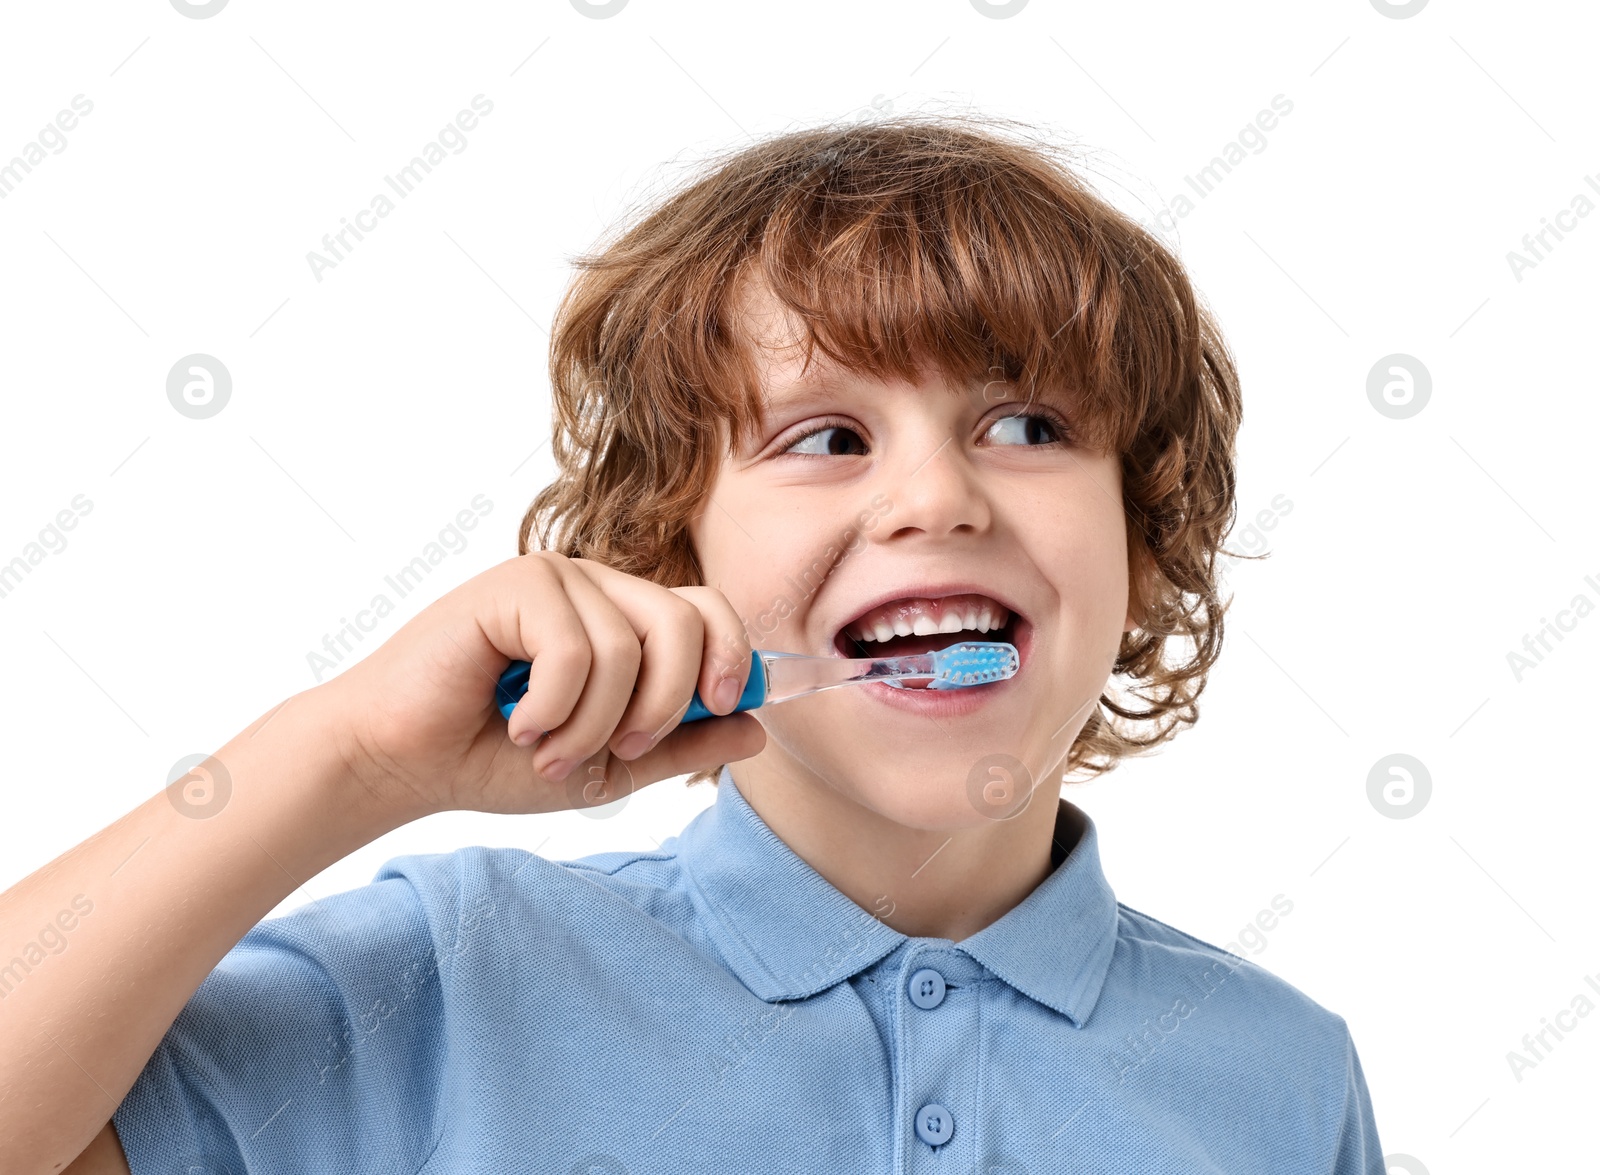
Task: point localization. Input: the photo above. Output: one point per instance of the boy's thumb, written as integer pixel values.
(699, 746)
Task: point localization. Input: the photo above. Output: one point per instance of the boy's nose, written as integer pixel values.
(938, 491)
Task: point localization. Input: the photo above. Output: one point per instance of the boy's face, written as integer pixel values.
(919, 492)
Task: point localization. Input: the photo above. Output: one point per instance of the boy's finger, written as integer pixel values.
(669, 632)
(725, 661)
(700, 746)
(551, 634)
(672, 643)
(613, 668)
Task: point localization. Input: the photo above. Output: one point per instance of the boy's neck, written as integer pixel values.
(920, 883)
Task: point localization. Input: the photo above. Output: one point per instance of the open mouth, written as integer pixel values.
(891, 629)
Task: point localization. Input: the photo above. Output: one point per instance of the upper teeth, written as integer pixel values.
(918, 617)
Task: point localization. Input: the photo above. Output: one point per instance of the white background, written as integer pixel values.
(370, 407)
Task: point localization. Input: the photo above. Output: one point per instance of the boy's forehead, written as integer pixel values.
(785, 387)
(763, 319)
(776, 338)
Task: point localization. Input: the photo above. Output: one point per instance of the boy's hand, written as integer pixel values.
(615, 659)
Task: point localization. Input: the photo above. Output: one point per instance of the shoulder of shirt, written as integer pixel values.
(438, 875)
(595, 895)
(1269, 992)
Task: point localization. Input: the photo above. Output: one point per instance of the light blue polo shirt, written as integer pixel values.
(716, 1006)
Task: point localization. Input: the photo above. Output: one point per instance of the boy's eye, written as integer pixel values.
(833, 439)
(1025, 428)
(830, 440)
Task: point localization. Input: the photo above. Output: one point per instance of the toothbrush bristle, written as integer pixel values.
(973, 663)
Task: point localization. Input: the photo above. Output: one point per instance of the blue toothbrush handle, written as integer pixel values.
(513, 684)
(755, 693)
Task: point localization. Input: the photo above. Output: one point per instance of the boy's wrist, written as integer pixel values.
(306, 748)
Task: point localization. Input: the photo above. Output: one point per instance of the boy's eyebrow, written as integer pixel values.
(801, 392)
(822, 384)
(818, 385)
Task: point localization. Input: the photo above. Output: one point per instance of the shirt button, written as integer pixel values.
(934, 1124)
(927, 988)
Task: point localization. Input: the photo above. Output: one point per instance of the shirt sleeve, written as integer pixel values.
(315, 1045)
(1360, 1152)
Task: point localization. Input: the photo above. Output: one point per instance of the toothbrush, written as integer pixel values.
(777, 677)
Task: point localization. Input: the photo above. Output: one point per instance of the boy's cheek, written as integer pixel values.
(867, 520)
(769, 620)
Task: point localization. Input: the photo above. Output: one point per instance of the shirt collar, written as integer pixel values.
(787, 933)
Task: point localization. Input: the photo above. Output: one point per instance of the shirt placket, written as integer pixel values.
(938, 1044)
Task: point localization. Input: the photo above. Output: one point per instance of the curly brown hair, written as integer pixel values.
(963, 242)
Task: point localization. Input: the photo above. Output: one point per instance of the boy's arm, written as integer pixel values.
(103, 1156)
(101, 950)
(153, 902)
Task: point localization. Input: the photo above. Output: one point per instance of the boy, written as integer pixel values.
(851, 391)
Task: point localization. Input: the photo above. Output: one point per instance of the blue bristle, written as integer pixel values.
(973, 663)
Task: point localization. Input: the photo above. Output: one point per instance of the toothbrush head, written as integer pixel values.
(973, 663)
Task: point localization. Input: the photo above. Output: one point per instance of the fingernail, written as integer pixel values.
(727, 694)
(633, 745)
(556, 770)
(526, 738)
